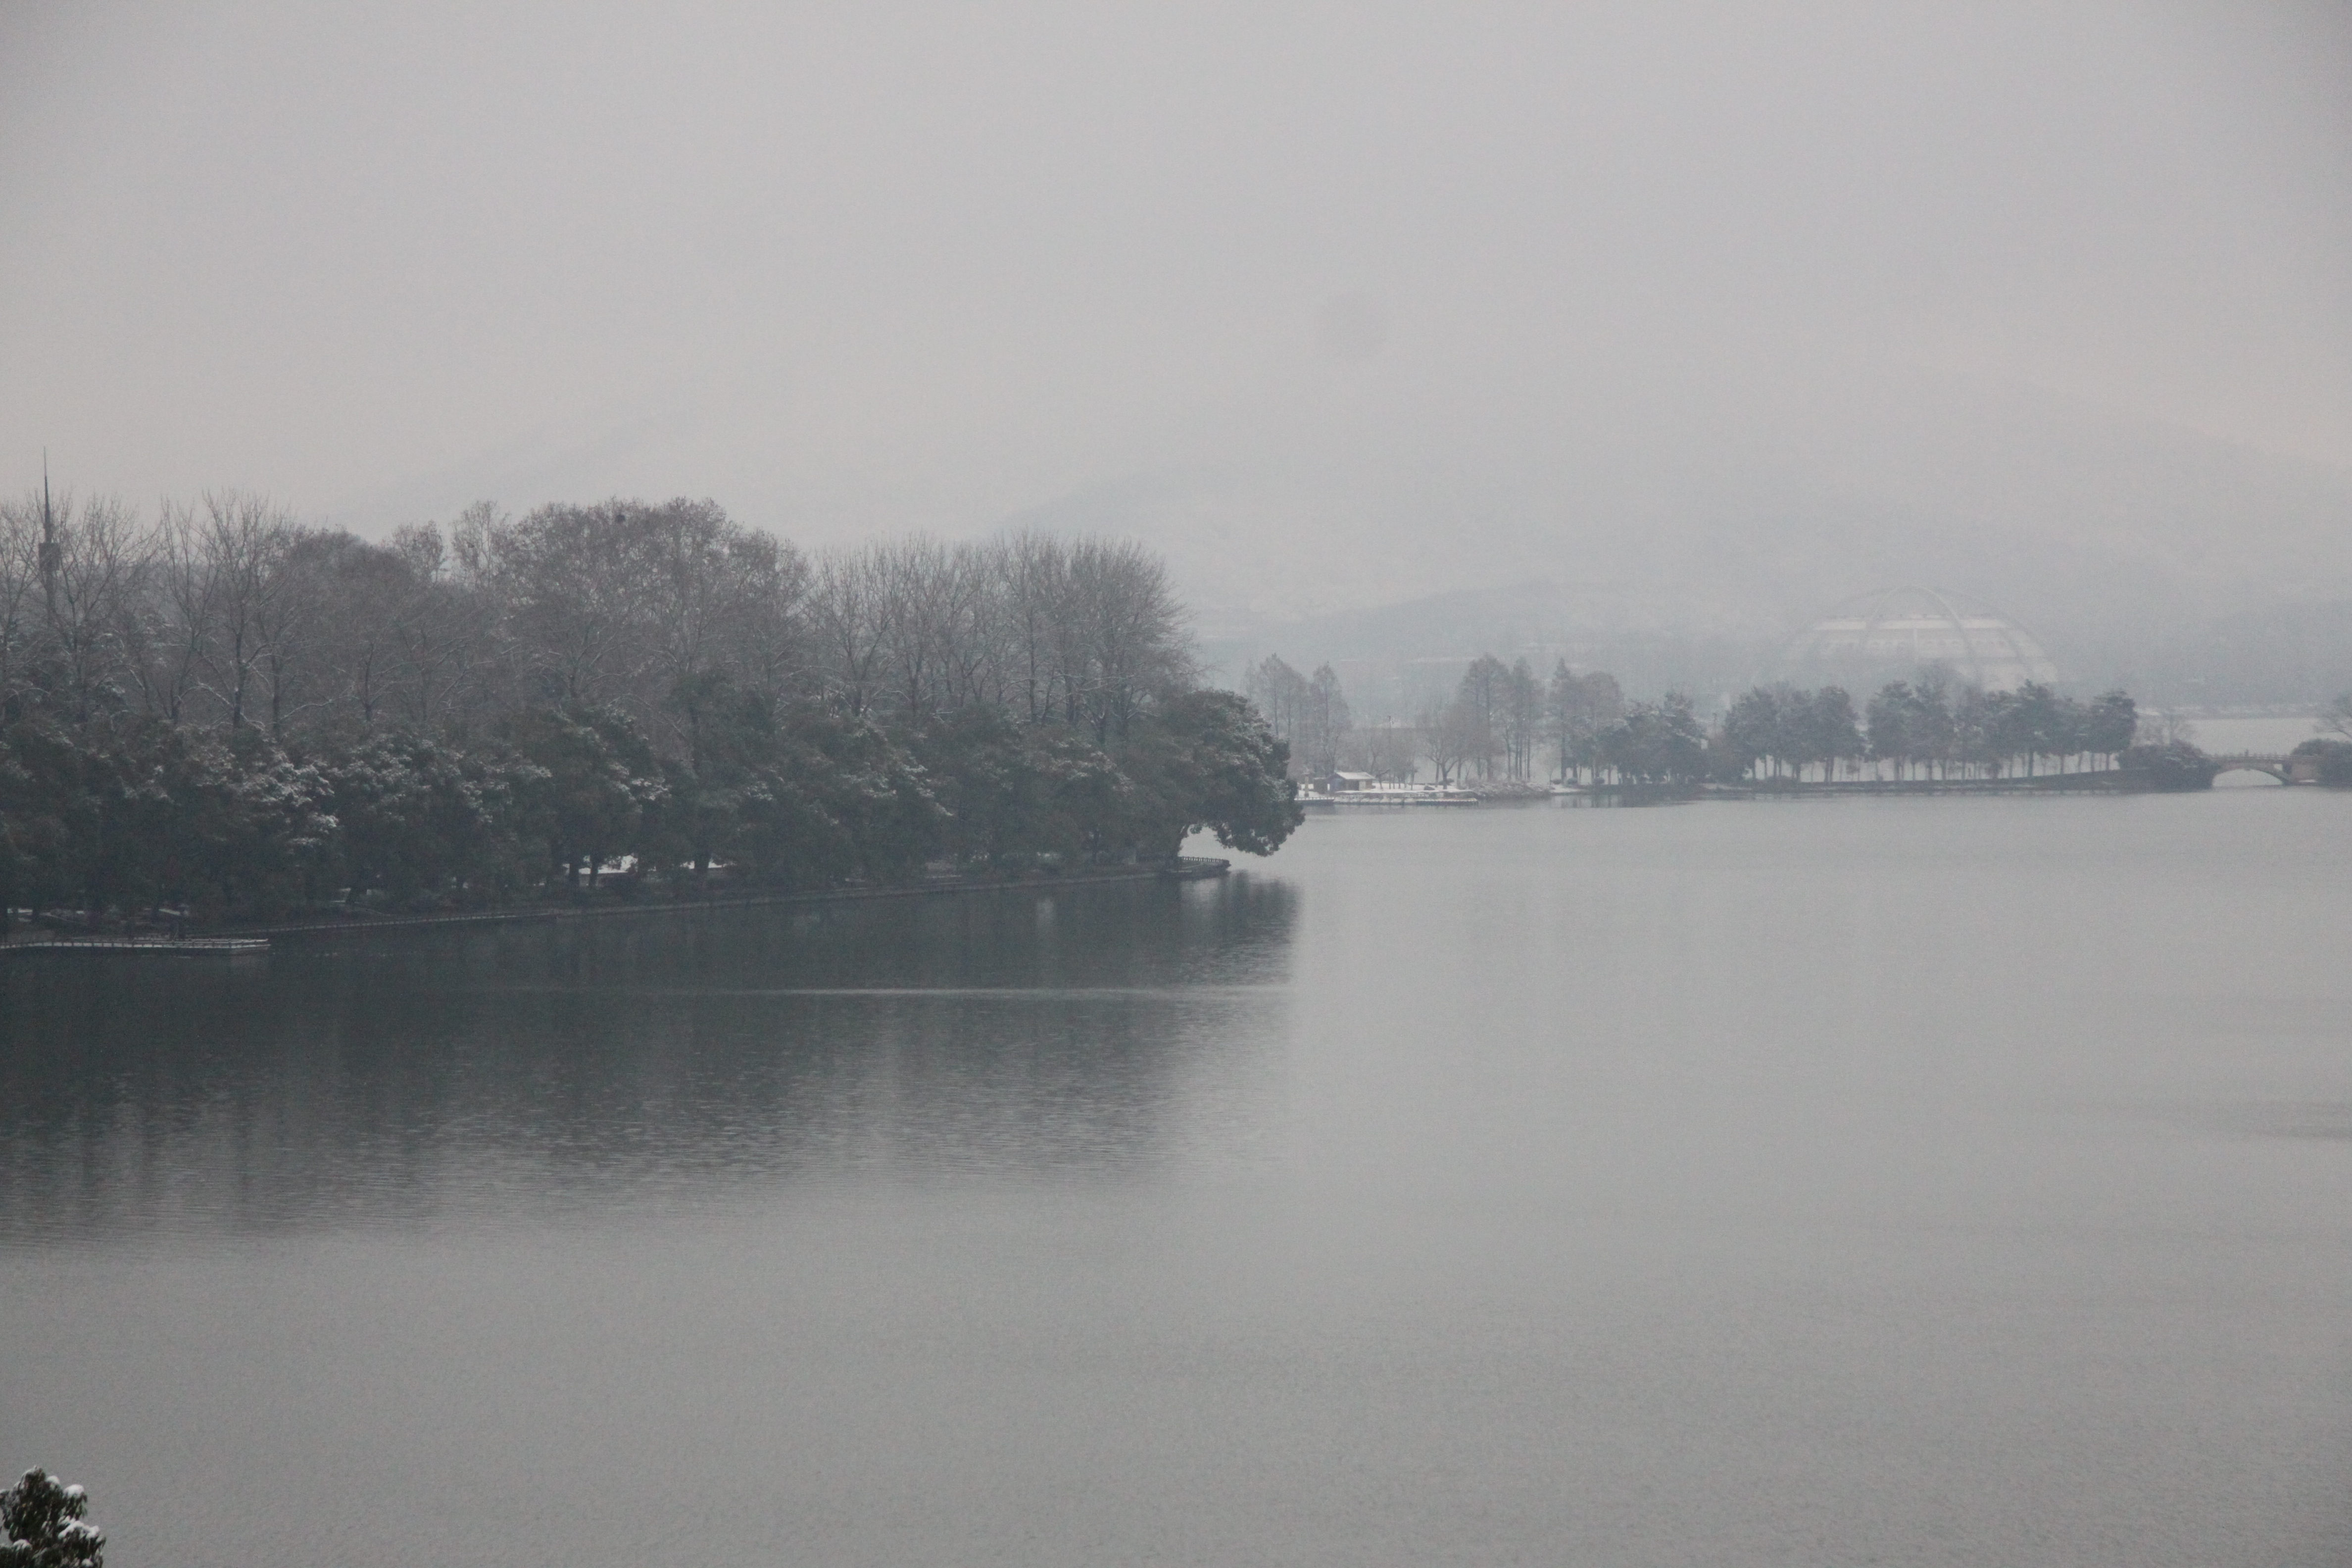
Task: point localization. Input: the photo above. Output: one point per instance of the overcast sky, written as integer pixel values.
(858, 268)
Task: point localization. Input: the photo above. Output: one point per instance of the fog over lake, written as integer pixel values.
(1936, 1181)
(1684, 319)
(1739, 517)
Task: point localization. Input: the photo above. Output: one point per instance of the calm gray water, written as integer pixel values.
(1947, 1182)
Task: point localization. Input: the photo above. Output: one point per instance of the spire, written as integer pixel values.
(51, 555)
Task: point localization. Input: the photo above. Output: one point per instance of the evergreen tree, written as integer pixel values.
(44, 1523)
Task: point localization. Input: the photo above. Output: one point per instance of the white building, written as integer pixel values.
(1888, 636)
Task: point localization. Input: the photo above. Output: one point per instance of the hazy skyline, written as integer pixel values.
(1247, 284)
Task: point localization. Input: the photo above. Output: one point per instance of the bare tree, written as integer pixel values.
(305, 615)
(1035, 569)
(911, 581)
(21, 614)
(2336, 717)
(1281, 695)
(1456, 735)
(721, 590)
(1132, 631)
(92, 583)
(578, 585)
(170, 635)
(1484, 696)
(1389, 750)
(1577, 710)
(344, 661)
(1519, 720)
(845, 628)
(972, 603)
(243, 541)
(448, 630)
(469, 559)
(1083, 632)
(1323, 720)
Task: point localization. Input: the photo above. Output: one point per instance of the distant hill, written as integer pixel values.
(2130, 549)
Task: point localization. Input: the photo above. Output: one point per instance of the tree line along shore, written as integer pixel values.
(225, 716)
(1504, 728)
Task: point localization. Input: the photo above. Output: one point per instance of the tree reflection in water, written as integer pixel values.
(673, 1059)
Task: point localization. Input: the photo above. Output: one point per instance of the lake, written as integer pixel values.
(1946, 1180)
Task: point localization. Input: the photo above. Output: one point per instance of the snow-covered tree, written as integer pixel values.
(42, 1520)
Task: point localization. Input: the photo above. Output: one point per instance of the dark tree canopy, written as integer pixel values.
(1925, 726)
(1210, 763)
(234, 714)
(1656, 742)
(2171, 765)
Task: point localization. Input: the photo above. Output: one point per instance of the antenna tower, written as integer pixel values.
(52, 554)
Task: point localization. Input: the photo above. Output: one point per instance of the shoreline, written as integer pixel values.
(254, 938)
(2107, 782)
(2053, 783)
(2111, 783)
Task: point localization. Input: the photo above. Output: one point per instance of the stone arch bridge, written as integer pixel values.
(2286, 769)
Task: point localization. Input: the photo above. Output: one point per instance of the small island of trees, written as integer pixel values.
(226, 715)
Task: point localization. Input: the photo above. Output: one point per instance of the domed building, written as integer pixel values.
(1887, 636)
